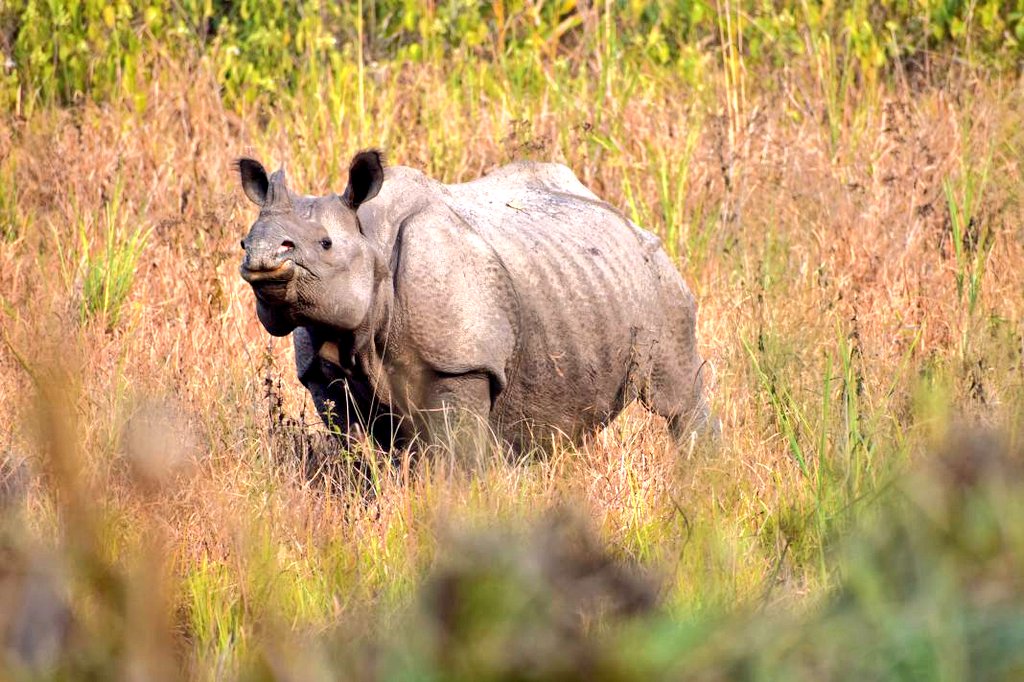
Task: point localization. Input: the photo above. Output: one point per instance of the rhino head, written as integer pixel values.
(308, 259)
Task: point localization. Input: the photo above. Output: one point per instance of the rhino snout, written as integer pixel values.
(263, 260)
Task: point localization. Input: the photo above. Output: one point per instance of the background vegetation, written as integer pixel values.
(838, 180)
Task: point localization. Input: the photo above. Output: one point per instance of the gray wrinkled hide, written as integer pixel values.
(519, 296)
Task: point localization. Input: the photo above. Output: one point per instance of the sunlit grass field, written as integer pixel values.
(840, 185)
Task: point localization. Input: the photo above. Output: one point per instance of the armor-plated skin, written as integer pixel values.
(519, 298)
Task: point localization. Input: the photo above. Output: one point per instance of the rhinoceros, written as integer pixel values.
(519, 299)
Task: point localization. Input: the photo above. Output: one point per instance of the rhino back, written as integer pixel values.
(589, 293)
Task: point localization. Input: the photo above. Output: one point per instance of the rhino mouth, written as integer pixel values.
(279, 274)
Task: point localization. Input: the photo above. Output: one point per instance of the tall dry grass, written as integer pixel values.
(858, 265)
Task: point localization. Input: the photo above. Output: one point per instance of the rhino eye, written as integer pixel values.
(326, 243)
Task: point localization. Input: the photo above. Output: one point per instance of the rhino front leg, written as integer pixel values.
(336, 408)
(345, 402)
(453, 417)
(350, 411)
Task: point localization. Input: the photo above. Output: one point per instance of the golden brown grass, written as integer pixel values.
(825, 266)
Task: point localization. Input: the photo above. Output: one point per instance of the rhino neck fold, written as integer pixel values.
(371, 334)
(380, 323)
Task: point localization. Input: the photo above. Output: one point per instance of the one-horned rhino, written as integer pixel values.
(520, 300)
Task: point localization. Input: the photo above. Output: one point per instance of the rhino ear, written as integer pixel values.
(365, 177)
(254, 180)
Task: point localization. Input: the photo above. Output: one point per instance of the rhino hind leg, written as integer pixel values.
(677, 395)
(673, 386)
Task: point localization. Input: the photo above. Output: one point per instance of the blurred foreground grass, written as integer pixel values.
(839, 183)
(929, 587)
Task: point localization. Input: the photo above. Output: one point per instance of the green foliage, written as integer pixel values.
(108, 272)
(61, 52)
(65, 51)
(9, 218)
(971, 240)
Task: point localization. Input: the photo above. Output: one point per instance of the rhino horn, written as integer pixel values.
(279, 199)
